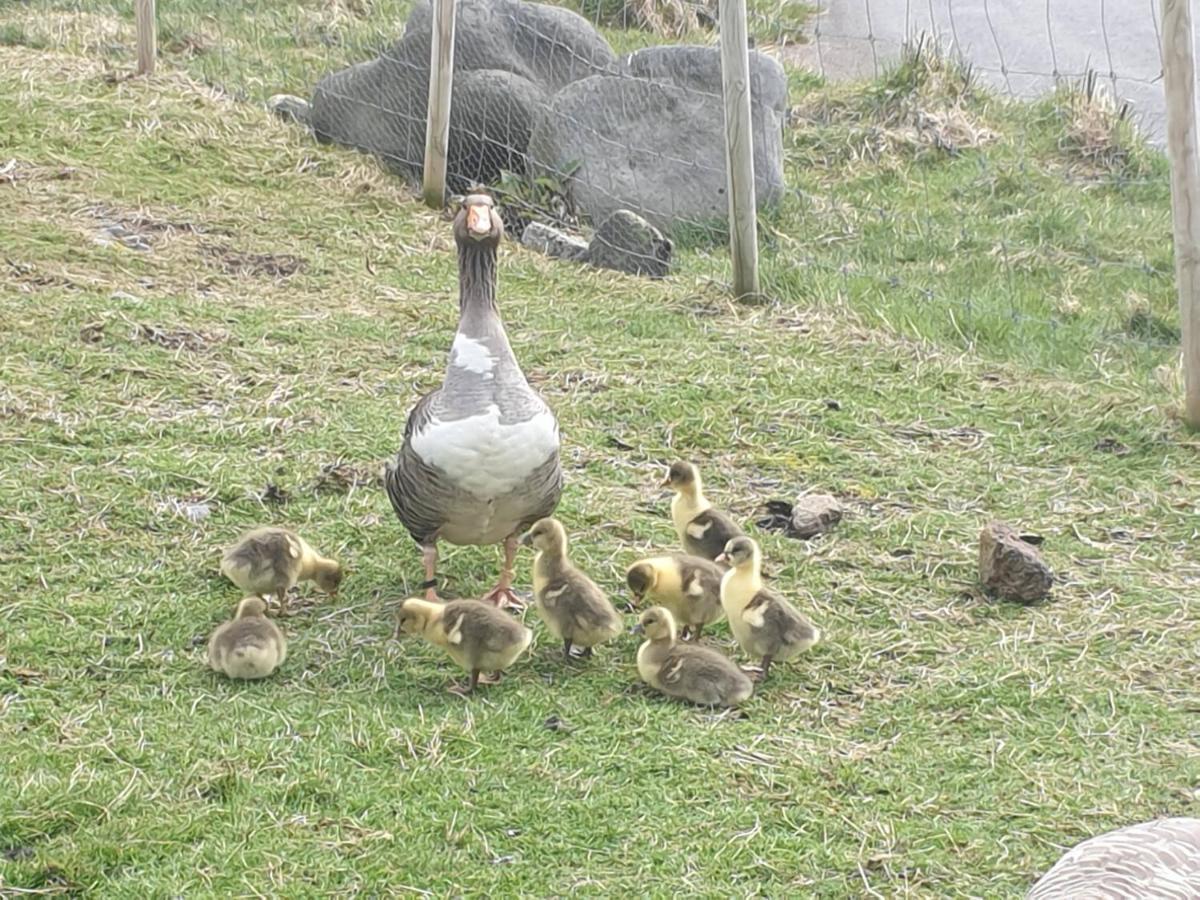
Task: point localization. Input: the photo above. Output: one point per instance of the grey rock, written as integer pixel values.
(1010, 566)
(291, 109)
(552, 242)
(656, 149)
(628, 243)
(698, 68)
(509, 59)
(814, 514)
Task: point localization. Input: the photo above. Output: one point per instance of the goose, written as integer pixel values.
(688, 586)
(697, 674)
(480, 459)
(703, 531)
(273, 560)
(477, 636)
(249, 645)
(574, 608)
(1157, 860)
(763, 622)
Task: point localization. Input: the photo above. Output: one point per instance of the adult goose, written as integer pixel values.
(480, 459)
(1158, 860)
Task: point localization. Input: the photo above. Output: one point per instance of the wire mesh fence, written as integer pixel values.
(970, 172)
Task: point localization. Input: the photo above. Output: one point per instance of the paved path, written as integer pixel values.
(1018, 45)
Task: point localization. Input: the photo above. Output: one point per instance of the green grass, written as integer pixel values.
(938, 744)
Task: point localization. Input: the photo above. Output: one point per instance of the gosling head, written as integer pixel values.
(657, 624)
(683, 478)
(412, 617)
(547, 535)
(250, 607)
(478, 222)
(641, 578)
(739, 553)
(329, 577)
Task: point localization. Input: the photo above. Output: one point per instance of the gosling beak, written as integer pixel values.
(637, 629)
(527, 539)
(479, 221)
(722, 559)
(666, 483)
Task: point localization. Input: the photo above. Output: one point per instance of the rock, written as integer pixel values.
(655, 149)
(698, 68)
(1011, 567)
(552, 242)
(510, 57)
(814, 514)
(291, 109)
(628, 243)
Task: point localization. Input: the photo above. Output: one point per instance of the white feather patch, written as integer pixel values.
(485, 457)
(455, 636)
(697, 531)
(555, 594)
(695, 589)
(755, 617)
(472, 355)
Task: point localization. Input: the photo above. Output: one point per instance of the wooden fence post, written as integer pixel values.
(147, 37)
(1179, 82)
(739, 147)
(441, 81)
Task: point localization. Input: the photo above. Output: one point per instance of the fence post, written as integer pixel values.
(147, 38)
(739, 147)
(1179, 82)
(441, 80)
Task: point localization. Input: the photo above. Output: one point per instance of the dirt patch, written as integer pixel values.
(14, 170)
(237, 262)
(171, 338)
(31, 279)
(136, 229)
(343, 477)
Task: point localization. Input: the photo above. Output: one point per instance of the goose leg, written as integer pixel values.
(502, 594)
(429, 556)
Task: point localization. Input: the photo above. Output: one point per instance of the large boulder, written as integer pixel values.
(652, 147)
(510, 57)
(698, 68)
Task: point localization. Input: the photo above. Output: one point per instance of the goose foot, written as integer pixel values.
(754, 672)
(505, 598)
(502, 594)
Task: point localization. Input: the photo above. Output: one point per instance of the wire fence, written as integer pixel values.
(972, 172)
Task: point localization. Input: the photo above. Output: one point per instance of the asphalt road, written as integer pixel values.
(1018, 45)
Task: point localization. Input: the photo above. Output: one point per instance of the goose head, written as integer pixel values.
(741, 553)
(478, 222)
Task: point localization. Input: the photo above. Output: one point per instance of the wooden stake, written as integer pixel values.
(441, 81)
(1179, 82)
(739, 148)
(147, 36)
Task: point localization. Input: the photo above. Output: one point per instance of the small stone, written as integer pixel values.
(628, 243)
(814, 514)
(549, 240)
(1010, 567)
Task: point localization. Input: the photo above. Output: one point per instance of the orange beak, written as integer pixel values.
(479, 221)
(722, 560)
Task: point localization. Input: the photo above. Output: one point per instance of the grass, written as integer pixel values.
(210, 322)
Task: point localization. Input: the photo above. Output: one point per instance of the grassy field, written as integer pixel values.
(209, 322)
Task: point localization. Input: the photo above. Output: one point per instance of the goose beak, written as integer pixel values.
(666, 482)
(637, 629)
(527, 539)
(479, 221)
(722, 559)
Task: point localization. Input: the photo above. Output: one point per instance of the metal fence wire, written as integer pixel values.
(981, 173)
